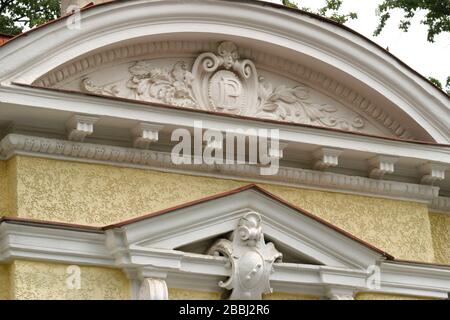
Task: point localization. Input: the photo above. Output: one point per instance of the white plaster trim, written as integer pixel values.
(294, 230)
(440, 205)
(200, 272)
(415, 279)
(153, 289)
(129, 110)
(20, 240)
(14, 144)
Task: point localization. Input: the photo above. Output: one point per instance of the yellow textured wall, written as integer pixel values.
(47, 281)
(440, 230)
(4, 282)
(288, 296)
(183, 294)
(99, 195)
(383, 296)
(3, 188)
(7, 187)
(399, 227)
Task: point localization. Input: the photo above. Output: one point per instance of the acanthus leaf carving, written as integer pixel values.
(295, 105)
(250, 257)
(224, 82)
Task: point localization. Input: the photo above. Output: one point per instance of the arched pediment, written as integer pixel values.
(324, 75)
(221, 80)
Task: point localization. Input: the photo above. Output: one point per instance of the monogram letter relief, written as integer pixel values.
(224, 82)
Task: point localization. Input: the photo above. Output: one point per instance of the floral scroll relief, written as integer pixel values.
(295, 105)
(152, 84)
(224, 82)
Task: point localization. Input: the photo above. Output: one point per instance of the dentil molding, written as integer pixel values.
(61, 149)
(441, 205)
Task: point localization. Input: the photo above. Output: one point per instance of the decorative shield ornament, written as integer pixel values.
(251, 259)
(251, 269)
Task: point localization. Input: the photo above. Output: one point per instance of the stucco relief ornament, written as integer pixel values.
(170, 86)
(250, 257)
(224, 82)
(295, 105)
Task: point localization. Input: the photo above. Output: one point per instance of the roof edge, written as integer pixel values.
(252, 186)
(257, 2)
(93, 229)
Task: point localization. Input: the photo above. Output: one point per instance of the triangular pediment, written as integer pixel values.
(299, 235)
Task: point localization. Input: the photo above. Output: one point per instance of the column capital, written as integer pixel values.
(340, 294)
(153, 289)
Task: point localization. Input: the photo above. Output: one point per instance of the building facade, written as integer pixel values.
(310, 163)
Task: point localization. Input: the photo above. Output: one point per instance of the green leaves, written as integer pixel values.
(437, 17)
(330, 10)
(289, 4)
(15, 15)
(438, 84)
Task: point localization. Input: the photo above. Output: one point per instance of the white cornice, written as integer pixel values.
(21, 240)
(41, 99)
(14, 144)
(415, 279)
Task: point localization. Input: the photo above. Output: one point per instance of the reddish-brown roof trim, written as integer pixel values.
(59, 225)
(181, 206)
(264, 4)
(5, 35)
(5, 38)
(227, 115)
(262, 191)
(77, 227)
(71, 226)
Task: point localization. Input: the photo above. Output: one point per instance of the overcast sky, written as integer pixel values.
(429, 59)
